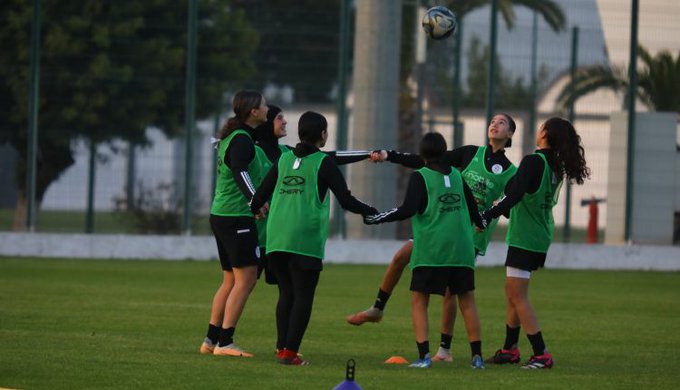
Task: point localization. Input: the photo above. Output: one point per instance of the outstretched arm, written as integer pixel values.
(415, 199)
(342, 157)
(331, 176)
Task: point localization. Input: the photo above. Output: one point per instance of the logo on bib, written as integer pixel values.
(449, 198)
(293, 181)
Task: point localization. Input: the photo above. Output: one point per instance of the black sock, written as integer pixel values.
(213, 333)
(423, 348)
(511, 337)
(381, 299)
(476, 347)
(446, 341)
(226, 336)
(537, 343)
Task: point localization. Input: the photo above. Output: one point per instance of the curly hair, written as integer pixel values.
(569, 152)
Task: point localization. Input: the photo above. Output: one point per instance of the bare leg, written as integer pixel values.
(448, 313)
(511, 317)
(220, 299)
(419, 304)
(468, 308)
(396, 267)
(517, 291)
(390, 280)
(449, 308)
(244, 282)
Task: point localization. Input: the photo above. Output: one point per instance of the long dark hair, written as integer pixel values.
(569, 152)
(243, 102)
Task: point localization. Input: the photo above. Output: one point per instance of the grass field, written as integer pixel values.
(53, 221)
(137, 324)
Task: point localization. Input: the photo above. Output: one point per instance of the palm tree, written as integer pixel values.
(657, 87)
(548, 9)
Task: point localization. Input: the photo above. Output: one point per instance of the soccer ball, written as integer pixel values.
(439, 22)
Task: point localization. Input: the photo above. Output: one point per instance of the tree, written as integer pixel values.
(299, 45)
(657, 86)
(511, 93)
(109, 70)
(550, 11)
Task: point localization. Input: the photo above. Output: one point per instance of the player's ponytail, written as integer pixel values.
(243, 103)
(569, 152)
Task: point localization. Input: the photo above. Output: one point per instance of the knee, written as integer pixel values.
(514, 295)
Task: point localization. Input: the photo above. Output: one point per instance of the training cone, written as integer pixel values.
(396, 360)
(348, 383)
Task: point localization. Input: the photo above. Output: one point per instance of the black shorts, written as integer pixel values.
(236, 239)
(524, 259)
(435, 280)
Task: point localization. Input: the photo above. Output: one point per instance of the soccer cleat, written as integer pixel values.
(231, 350)
(207, 347)
(539, 361)
(477, 362)
(442, 355)
(505, 356)
(369, 315)
(425, 362)
(291, 358)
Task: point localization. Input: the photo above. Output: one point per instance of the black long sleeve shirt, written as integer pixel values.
(342, 157)
(329, 177)
(458, 158)
(416, 199)
(527, 180)
(237, 157)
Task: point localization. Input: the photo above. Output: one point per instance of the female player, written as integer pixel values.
(297, 227)
(486, 170)
(268, 149)
(530, 198)
(443, 255)
(233, 224)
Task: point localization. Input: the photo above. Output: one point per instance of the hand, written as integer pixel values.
(378, 156)
(262, 213)
(483, 221)
(370, 219)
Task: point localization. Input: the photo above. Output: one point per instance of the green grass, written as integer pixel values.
(68, 324)
(52, 221)
(55, 221)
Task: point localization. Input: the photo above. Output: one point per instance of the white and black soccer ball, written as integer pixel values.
(439, 22)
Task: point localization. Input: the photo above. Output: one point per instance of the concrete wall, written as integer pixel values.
(654, 175)
(100, 246)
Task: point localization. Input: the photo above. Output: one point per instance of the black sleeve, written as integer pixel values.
(330, 177)
(415, 201)
(238, 156)
(265, 190)
(342, 157)
(475, 216)
(406, 159)
(459, 157)
(527, 180)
